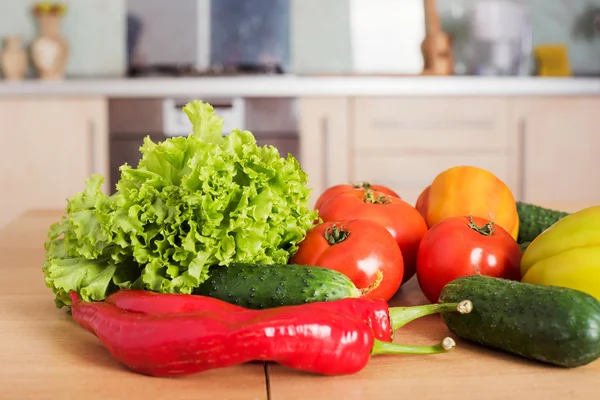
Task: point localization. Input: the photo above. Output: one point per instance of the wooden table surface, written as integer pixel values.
(45, 355)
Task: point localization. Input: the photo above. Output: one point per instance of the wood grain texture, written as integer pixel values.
(45, 355)
(468, 372)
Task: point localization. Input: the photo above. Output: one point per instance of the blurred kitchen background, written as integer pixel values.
(392, 91)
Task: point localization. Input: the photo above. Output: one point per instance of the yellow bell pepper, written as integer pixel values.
(567, 254)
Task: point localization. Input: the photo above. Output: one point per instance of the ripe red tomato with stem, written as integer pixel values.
(337, 189)
(464, 246)
(361, 249)
(401, 219)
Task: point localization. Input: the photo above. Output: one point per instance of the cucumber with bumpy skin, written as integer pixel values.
(533, 220)
(551, 324)
(258, 286)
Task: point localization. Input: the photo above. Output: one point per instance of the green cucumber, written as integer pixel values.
(550, 324)
(533, 220)
(258, 286)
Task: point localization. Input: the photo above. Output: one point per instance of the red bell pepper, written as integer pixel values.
(306, 338)
(382, 319)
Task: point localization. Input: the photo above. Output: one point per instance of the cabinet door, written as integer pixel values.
(405, 143)
(324, 142)
(558, 144)
(49, 147)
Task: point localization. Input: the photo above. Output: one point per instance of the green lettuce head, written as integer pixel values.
(191, 203)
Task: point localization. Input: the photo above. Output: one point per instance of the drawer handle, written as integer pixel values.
(521, 149)
(325, 147)
(429, 125)
(407, 184)
(91, 147)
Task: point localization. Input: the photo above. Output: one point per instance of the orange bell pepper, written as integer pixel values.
(467, 190)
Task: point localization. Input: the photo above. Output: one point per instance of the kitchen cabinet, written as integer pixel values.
(49, 147)
(558, 146)
(405, 142)
(325, 152)
(543, 148)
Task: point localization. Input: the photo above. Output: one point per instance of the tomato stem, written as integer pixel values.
(400, 316)
(335, 234)
(361, 185)
(381, 347)
(369, 197)
(485, 230)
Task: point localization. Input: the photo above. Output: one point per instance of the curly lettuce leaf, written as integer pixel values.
(191, 203)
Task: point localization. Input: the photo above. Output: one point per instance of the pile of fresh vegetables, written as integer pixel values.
(209, 255)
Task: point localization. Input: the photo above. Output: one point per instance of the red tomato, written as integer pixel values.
(337, 189)
(401, 219)
(362, 250)
(423, 202)
(461, 246)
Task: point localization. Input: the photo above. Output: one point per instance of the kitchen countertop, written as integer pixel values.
(47, 356)
(297, 86)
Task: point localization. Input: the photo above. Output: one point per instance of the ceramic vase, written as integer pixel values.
(49, 51)
(13, 59)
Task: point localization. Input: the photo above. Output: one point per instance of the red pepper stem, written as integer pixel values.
(381, 347)
(400, 316)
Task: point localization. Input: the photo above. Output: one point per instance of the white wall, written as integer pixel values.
(95, 30)
(321, 38)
